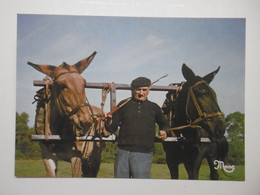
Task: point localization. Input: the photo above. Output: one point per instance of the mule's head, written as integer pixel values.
(68, 99)
(197, 103)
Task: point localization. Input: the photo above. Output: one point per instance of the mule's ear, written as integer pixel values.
(45, 69)
(209, 77)
(187, 72)
(83, 64)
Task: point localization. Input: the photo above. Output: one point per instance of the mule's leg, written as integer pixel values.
(74, 154)
(173, 158)
(173, 165)
(196, 168)
(188, 167)
(213, 172)
(192, 169)
(50, 162)
(92, 159)
(89, 168)
(193, 163)
(51, 167)
(174, 169)
(76, 166)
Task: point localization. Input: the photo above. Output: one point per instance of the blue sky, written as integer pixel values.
(128, 47)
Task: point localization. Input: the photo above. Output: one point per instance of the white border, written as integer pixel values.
(248, 9)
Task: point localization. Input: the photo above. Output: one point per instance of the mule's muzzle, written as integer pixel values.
(81, 124)
(80, 128)
(215, 127)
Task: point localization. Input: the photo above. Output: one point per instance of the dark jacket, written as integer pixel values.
(136, 121)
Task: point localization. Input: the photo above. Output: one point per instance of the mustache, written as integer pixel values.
(140, 95)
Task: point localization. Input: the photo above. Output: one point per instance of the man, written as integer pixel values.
(136, 121)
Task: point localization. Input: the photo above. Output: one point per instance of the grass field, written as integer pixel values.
(35, 168)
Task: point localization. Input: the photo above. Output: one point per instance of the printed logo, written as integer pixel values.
(226, 168)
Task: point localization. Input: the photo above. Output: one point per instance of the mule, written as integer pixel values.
(71, 116)
(193, 113)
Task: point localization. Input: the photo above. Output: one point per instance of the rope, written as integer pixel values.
(182, 127)
(105, 91)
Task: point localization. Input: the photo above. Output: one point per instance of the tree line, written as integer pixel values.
(235, 133)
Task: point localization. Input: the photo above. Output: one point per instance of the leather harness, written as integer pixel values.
(202, 115)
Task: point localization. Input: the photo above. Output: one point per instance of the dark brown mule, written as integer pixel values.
(71, 116)
(195, 111)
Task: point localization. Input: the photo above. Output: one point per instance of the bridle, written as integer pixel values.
(201, 115)
(195, 123)
(78, 107)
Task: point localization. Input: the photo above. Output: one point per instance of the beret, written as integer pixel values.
(141, 82)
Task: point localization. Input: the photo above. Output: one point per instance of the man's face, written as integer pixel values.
(141, 93)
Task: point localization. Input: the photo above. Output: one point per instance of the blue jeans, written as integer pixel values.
(133, 164)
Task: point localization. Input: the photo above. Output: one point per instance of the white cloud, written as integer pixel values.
(153, 40)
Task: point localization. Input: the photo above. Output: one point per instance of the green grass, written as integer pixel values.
(35, 168)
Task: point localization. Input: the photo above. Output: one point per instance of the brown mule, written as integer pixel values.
(70, 116)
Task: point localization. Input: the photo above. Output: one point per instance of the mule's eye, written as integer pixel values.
(201, 91)
(63, 87)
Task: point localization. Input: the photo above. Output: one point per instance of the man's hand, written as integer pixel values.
(162, 135)
(108, 119)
